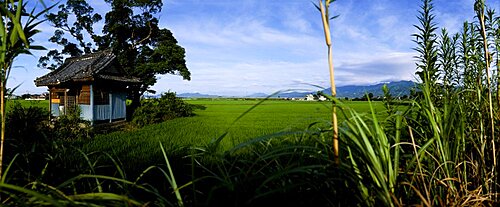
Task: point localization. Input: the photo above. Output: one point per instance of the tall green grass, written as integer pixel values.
(445, 138)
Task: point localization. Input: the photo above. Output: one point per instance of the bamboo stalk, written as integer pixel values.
(2, 115)
(487, 59)
(498, 80)
(328, 40)
(480, 13)
(3, 30)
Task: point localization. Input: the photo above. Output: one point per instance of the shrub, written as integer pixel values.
(71, 126)
(27, 125)
(29, 139)
(167, 107)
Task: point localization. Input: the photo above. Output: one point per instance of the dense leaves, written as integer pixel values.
(27, 125)
(85, 19)
(426, 40)
(71, 126)
(32, 124)
(158, 110)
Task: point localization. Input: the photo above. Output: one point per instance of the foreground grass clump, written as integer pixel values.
(267, 170)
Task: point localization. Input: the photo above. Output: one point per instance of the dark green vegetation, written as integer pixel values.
(167, 107)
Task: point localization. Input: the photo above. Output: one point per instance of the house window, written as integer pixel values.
(84, 97)
(101, 97)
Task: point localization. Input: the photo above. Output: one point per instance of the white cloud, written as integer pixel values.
(295, 20)
(235, 32)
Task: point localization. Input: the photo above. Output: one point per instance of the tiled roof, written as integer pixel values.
(84, 68)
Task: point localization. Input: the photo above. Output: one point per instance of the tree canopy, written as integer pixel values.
(130, 28)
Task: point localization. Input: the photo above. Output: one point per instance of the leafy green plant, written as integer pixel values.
(71, 126)
(374, 157)
(167, 107)
(267, 169)
(27, 124)
(29, 138)
(90, 188)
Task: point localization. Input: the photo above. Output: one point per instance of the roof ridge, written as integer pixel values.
(90, 55)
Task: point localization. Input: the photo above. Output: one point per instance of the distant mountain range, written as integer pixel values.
(397, 88)
(196, 95)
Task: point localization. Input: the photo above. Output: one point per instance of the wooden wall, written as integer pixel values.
(96, 103)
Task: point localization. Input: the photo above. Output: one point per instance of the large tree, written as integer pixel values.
(130, 28)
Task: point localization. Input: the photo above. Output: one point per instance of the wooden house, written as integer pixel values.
(95, 83)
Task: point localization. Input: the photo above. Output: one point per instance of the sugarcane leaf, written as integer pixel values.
(334, 17)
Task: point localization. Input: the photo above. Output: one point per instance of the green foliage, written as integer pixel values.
(71, 126)
(167, 107)
(25, 122)
(373, 158)
(447, 58)
(426, 44)
(30, 139)
(274, 170)
(29, 136)
(388, 100)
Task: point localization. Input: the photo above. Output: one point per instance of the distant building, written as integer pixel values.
(309, 97)
(11, 97)
(312, 97)
(322, 98)
(95, 83)
(36, 97)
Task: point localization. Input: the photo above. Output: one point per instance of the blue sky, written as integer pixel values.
(249, 46)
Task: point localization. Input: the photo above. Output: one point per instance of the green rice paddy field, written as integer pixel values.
(269, 117)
